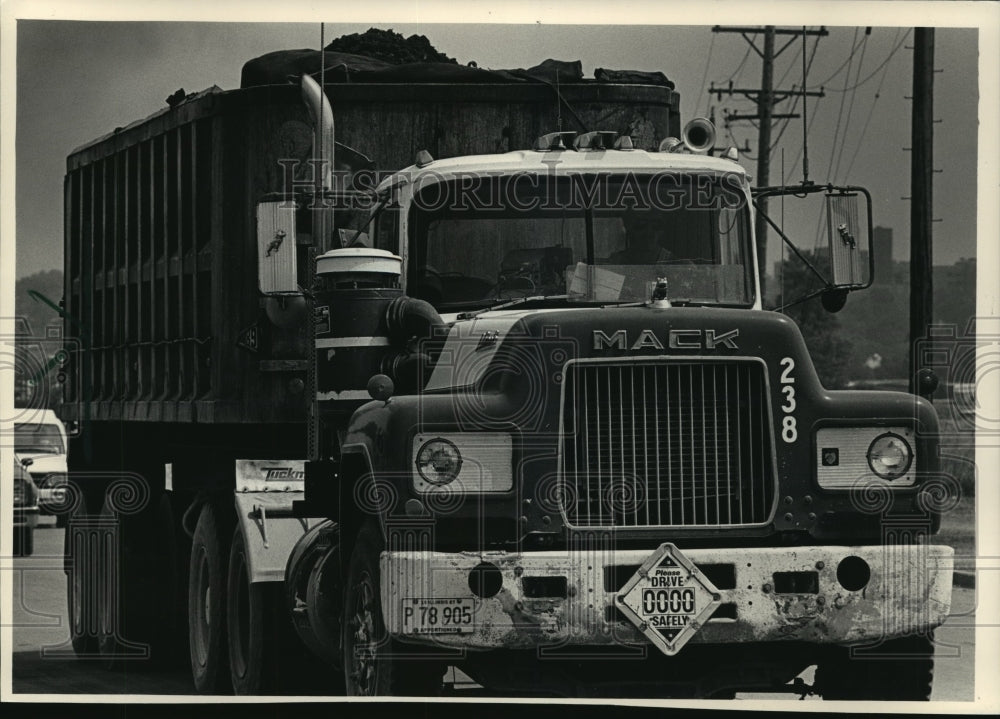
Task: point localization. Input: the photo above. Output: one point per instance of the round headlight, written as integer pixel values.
(889, 456)
(439, 461)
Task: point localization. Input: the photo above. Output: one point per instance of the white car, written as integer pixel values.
(42, 439)
(25, 510)
(963, 394)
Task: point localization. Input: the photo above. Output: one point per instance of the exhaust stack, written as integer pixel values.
(322, 117)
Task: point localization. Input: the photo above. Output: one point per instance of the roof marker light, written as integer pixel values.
(553, 141)
(596, 140)
(423, 159)
(731, 153)
(624, 143)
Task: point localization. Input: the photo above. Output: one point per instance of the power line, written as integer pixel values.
(795, 100)
(836, 135)
(850, 57)
(850, 107)
(883, 64)
(765, 98)
(871, 112)
(840, 114)
(791, 65)
(738, 67)
(812, 119)
(704, 77)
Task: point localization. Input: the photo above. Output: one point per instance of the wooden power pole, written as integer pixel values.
(766, 96)
(921, 200)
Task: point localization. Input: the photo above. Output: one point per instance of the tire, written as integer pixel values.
(138, 618)
(139, 615)
(81, 552)
(207, 604)
(896, 670)
(368, 671)
(266, 655)
(24, 541)
(249, 625)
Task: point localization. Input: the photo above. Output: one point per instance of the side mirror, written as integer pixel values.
(847, 241)
(276, 256)
(845, 264)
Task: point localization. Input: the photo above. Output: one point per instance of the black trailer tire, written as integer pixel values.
(24, 541)
(207, 604)
(897, 670)
(82, 583)
(249, 625)
(138, 620)
(266, 655)
(367, 669)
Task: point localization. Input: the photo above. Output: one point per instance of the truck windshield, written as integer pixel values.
(32, 438)
(482, 241)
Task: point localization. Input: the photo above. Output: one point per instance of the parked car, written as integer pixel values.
(43, 441)
(892, 384)
(963, 395)
(25, 508)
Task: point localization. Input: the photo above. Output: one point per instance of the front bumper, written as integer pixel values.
(908, 591)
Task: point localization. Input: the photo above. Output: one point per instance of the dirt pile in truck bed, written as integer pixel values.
(385, 56)
(390, 47)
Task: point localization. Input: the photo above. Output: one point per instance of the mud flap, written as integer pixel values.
(270, 531)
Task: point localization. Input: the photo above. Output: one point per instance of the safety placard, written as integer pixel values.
(668, 599)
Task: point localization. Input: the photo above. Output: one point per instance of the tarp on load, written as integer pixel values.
(283, 66)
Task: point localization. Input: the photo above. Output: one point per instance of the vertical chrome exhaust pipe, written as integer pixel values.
(322, 117)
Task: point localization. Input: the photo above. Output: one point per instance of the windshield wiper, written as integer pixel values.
(509, 303)
(375, 213)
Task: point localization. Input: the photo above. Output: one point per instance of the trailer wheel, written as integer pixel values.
(207, 604)
(369, 668)
(249, 625)
(138, 612)
(903, 670)
(24, 541)
(81, 555)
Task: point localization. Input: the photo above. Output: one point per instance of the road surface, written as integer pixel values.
(39, 616)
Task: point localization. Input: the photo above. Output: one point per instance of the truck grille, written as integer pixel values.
(667, 443)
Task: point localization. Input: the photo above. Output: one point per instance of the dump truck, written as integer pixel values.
(411, 368)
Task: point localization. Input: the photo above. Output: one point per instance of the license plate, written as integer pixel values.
(438, 615)
(668, 599)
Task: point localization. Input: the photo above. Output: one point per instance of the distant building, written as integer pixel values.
(882, 247)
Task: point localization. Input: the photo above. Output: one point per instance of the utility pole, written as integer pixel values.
(765, 109)
(921, 200)
(766, 97)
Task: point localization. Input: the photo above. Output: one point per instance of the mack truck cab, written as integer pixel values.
(557, 441)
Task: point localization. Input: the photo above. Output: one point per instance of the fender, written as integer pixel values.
(265, 490)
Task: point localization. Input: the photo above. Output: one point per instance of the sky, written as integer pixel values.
(78, 80)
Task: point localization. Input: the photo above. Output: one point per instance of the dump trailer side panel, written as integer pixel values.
(160, 245)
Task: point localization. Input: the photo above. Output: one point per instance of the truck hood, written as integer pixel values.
(525, 342)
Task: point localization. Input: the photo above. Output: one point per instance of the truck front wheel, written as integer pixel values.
(369, 665)
(897, 670)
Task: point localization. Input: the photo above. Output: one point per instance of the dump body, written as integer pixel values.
(159, 228)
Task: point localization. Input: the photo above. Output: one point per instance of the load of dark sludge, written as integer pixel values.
(384, 56)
